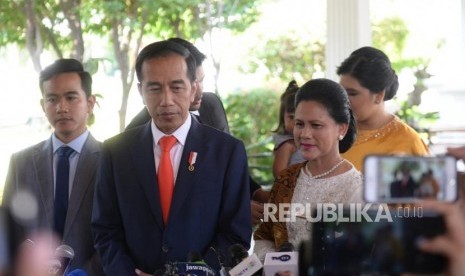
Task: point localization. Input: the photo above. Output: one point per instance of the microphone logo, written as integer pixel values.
(282, 258)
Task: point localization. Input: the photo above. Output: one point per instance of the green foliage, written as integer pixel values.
(414, 117)
(252, 116)
(288, 57)
(68, 27)
(390, 35)
(46, 16)
(13, 23)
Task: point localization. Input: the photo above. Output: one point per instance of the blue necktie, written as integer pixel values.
(61, 189)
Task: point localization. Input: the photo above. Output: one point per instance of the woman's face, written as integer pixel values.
(363, 102)
(315, 132)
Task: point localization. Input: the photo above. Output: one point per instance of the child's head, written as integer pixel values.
(287, 109)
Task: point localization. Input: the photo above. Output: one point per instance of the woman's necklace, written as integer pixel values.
(325, 173)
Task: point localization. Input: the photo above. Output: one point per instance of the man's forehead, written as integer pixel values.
(166, 66)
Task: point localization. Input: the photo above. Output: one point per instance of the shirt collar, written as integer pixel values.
(180, 133)
(76, 144)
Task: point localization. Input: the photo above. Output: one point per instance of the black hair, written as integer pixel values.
(372, 69)
(287, 104)
(165, 48)
(334, 98)
(67, 65)
(198, 56)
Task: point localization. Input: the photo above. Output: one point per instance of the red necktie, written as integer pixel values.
(166, 175)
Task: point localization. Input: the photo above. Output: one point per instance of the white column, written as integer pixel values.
(349, 28)
(462, 31)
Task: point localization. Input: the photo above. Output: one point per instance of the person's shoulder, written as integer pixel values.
(291, 171)
(209, 130)
(31, 149)
(92, 144)
(126, 136)
(356, 176)
(210, 96)
(402, 128)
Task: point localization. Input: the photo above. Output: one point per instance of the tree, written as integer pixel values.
(64, 26)
(38, 25)
(288, 57)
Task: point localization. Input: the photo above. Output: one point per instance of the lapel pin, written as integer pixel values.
(192, 158)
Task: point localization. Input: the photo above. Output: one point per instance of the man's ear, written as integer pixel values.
(42, 104)
(139, 88)
(90, 104)
(194, 87)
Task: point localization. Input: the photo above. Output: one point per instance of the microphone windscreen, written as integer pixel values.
(64, 251)
(59, 265)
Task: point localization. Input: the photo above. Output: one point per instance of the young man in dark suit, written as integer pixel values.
(62, 186)
(136, 224)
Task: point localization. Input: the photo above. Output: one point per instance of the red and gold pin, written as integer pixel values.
(192, 158)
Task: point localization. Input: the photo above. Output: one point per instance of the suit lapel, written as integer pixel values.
(43, 165)
(195, 142)
(144, 164)
(85, 174)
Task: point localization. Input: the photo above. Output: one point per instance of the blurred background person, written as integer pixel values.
(285, 151)
(369, 80)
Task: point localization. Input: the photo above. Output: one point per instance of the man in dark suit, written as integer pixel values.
(67, 102)
(208, 109)
(136, 224)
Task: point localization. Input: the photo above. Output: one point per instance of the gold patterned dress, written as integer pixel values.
(396, 137)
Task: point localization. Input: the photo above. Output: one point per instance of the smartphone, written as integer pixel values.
(406, 179)
(372, 247)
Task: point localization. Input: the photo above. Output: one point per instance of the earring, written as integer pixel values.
(377, 101)
(340, 137)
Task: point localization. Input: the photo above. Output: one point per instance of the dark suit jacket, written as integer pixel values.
(210, 207)
(211, 113)
(32, 170)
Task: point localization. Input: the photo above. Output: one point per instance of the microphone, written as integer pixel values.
(282, 262)
(59, 265)
(219, 255)
(77, 272)
(237, 253)
(195, 266)
(245, 265)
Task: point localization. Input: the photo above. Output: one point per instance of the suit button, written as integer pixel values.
(165, 248)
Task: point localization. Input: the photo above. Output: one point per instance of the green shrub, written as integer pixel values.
(252, 116)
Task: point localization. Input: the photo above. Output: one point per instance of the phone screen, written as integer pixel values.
(407, 178)
(346, 248)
